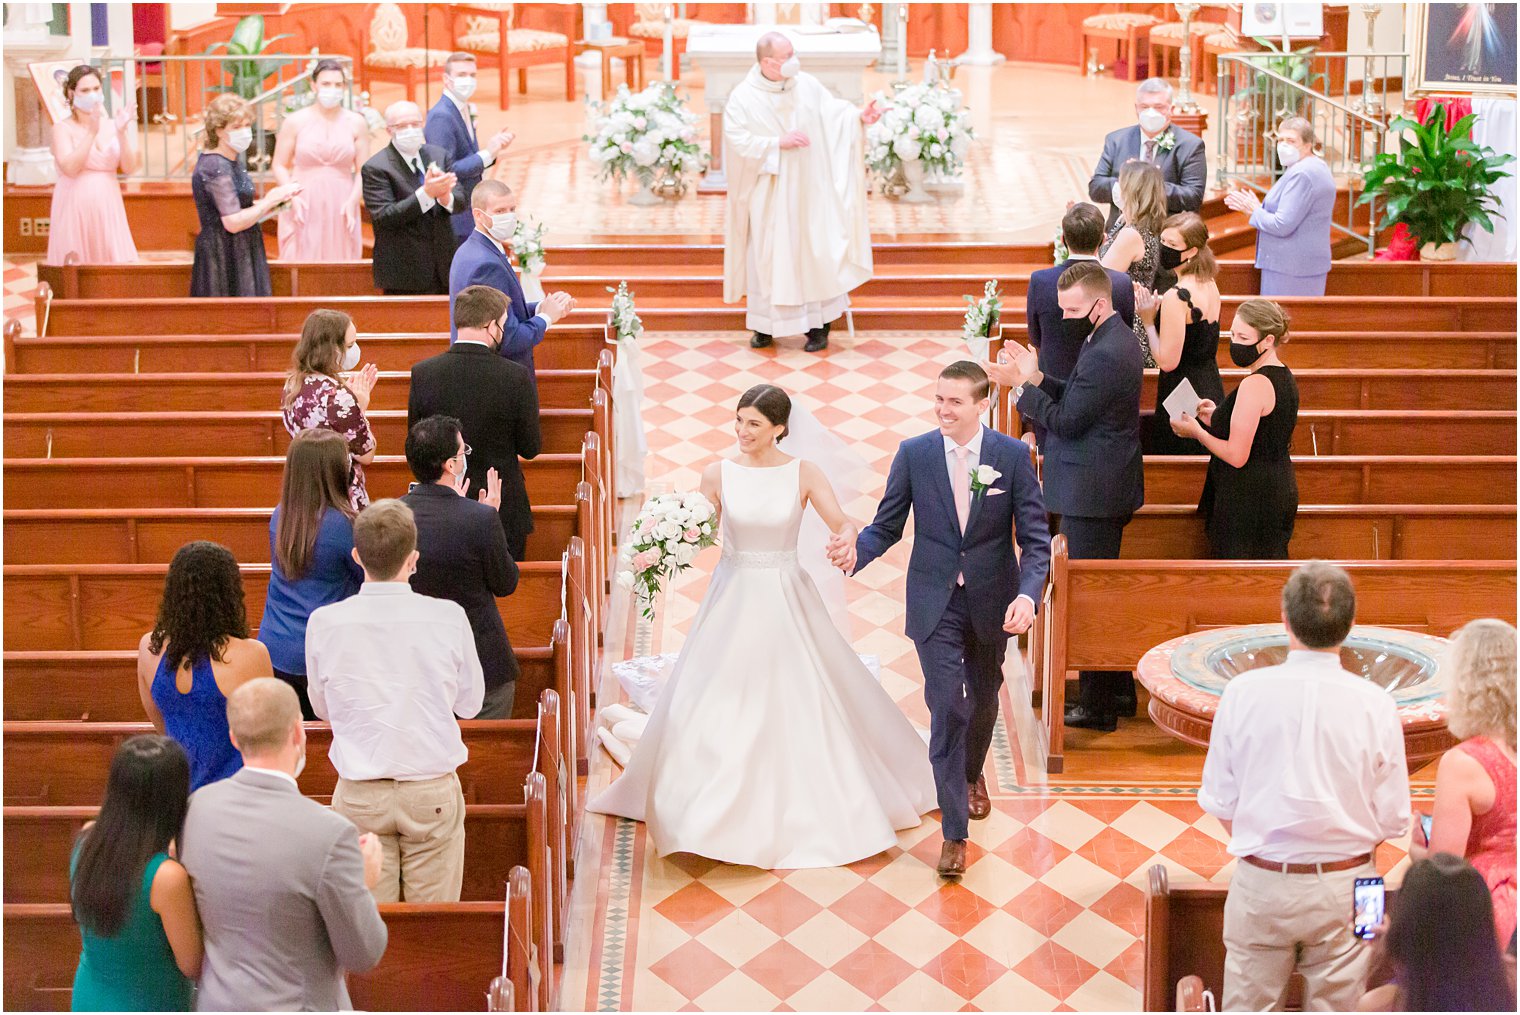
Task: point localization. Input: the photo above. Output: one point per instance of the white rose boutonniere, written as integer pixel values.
(1166, 142)
(983, 478)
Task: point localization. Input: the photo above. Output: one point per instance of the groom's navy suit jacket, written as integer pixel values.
(920, 481)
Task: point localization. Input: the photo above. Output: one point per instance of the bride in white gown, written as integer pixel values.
(771, 744)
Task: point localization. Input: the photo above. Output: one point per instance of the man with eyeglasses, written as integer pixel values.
(461, 550)
(495, 401)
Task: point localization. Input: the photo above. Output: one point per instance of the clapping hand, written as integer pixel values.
(1015, 365)
(491, 495)
(438, 184)
(794, 139)
(1147, 302)
(1242, 201)
(871, 113)
(126, 115)
(841, 549)
(556, 306)
(1019, 617)
(500, 141)
(362, 381)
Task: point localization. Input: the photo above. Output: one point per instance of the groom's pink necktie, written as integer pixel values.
(962, 489)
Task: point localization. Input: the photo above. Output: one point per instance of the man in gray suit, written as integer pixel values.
(1178, 153)
(281, 882)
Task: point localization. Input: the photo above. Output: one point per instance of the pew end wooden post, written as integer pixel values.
(42, 305)
(536, 797)
(1053, 657)
(12, 332)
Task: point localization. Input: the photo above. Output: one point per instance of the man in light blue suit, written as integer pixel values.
(1293, 221)
(482, 260)
(972, 492)
(451, 126)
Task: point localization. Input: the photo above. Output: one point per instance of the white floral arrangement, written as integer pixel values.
(528, 246)
(641, 134)
(667, 536)
(1058, 247)
(980, 315)
(625, 320)
(919, 122)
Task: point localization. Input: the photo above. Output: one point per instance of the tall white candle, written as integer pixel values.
(670, 69)
(902, 40)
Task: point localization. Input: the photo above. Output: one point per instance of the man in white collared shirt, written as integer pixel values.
(1306, 771)
(391, 670)
(451, 126)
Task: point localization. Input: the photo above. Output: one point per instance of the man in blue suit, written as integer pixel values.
(1093, 477)
(482, 260)
(1178, 153)
(1082, 231)
(972, 491)
(451, 126)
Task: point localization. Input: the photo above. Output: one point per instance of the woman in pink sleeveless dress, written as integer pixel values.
(88, 218)
(322, 146)
(1474, 814)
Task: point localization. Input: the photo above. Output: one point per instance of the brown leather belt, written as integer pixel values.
(1308, 868)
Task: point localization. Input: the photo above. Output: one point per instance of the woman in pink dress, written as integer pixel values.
(89, 219)
(1474, 813)
(322, 146)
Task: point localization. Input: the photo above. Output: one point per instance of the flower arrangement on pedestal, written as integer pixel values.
(921, 129)
(981, 319)
(528, 248)
(649, 135)
(667, 536)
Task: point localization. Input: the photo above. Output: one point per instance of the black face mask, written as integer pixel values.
(1243, 355)
(501, 336)
(1076, 329)
(1170, 258)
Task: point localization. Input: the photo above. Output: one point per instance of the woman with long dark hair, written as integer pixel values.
(317, 394)
(140, 936)
(1440, 944)
(311, 542)
(197, 654)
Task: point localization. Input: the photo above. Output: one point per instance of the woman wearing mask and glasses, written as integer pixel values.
(1250, 495)
(326, 390)
(229, 252)
(88, 218)
(322, 147)
(1293, 221)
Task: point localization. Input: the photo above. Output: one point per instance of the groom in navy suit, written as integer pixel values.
(482, 260)
(972, 491)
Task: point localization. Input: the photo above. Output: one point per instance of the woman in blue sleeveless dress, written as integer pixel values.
(140, 937)
(197, 654)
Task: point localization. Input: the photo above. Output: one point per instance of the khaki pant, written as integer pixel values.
(421, 830)
(1276, 923)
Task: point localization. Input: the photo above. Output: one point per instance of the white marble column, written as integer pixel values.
(28, 40)
(889, 63)
(979, 51)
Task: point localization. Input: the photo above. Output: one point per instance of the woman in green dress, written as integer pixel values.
(140, 933)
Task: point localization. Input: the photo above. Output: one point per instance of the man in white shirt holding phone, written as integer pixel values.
(1306, 771)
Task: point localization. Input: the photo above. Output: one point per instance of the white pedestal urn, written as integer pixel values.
(645, 195)
(913, 176)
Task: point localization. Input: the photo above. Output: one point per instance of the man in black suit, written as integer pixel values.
(410, 191)
(1093, 477)
(461, 552)
(494, 399)
(1178, 153)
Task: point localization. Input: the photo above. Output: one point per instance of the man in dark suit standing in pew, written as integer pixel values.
(410, 191)
(1093, 477)
(494, 399)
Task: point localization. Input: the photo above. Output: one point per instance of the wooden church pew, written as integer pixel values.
(1357, 479)
(1385, 389)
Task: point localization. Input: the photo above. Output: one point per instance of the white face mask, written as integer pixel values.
(351, 357)
(301, 761)
(462, 87)
(329, 97)
(239, 138)
(1152, 120)
(1288, 153)
(89, 101)
(503, 226)
(408, 141)
(791, 67)
(1116, 200)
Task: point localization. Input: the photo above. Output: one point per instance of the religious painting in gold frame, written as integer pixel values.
(1461, 49)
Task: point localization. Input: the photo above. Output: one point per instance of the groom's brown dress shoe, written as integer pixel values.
(979, 804)
(952, 859)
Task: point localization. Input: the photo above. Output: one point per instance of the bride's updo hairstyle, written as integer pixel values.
(772, 403)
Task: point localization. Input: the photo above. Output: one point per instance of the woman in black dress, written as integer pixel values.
(1183, 327)
(229, 251)
(1250, 496)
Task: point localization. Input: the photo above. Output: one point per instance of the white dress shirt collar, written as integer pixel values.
(274, 772)
(1081, 257)
(974, 444)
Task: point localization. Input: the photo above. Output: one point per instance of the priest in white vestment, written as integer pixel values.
(796, 240)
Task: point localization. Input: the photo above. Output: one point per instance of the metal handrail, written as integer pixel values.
(1319, 96)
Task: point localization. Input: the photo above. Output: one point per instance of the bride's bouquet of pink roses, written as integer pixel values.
(667, 536)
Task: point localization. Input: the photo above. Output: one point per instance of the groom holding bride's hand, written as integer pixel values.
(972, 491)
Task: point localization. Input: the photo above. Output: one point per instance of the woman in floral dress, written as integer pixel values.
(318, 396)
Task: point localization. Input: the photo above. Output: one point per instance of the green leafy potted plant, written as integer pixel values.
(1437, 184)
(249, 74)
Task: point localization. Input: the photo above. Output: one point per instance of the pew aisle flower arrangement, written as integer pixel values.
(528, 248)
(667, 535)
(629, 440)
(981, 317)
(645, 135)
(920, 126)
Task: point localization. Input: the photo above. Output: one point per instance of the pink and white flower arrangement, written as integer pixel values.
(667, 535)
